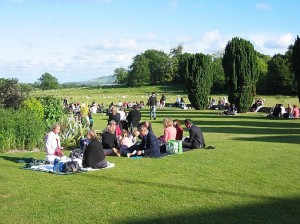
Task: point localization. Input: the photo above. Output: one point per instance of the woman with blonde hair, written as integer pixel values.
(169, 131)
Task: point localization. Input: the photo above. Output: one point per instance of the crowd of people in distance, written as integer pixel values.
(292, 111)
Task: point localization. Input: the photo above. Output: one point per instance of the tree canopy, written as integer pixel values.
(47, 81)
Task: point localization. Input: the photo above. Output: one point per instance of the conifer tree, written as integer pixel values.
(198, 77)
(241, 72)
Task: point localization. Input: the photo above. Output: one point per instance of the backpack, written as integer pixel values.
(70, 167)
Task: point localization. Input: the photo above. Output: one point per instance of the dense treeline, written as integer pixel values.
(157, 67)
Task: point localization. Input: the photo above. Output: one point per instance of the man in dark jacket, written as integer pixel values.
(133, 118)
(149, 146)
(196, 139)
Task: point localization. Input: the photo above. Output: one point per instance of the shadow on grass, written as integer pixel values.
(279, 138)
(11, 158)
(269, 210)
(275, 211)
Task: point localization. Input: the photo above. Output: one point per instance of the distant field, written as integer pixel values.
(108, 95)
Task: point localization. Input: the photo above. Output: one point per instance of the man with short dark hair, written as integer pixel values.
(149, 145)
(196, 139)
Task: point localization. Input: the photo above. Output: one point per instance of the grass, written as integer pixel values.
(251, 177)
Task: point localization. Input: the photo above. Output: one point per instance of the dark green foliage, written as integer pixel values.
(199, 76)
(279, 78)
(241, 74)
(296, 63)
(47, 81)
(53, 110)
(139, 74)
(12, 93)
(20, 129)
(182, 67)
(219, 84)
(158, 62)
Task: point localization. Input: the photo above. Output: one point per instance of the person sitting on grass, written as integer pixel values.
(110, 141)
(169, 134)
(149, 146)
(195, 139)
(93, 155)
(53, 147)
(179, 129)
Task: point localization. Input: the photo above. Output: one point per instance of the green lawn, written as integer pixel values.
(251, 177)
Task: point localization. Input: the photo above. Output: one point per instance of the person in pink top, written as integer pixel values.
(169, 134)
(295, 111)
(169, 131)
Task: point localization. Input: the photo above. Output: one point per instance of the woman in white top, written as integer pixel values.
(53, 147)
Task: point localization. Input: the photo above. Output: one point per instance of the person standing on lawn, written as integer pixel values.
(152, 101)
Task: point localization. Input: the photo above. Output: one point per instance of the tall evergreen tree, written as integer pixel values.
(296, 63)
(198, 77)
(241, 74)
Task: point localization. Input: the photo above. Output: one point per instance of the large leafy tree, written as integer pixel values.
(158, 62)
(11, 93)
(241, 74)
(139, 73)
(296, 63)
(199, 77)
(121, 75)
(47, 81)
(279, 79)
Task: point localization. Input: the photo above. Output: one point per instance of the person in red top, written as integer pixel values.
(295, 111)
(179, 129)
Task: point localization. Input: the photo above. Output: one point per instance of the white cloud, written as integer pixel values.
(210, 37)
(282, 41)
(263, 6)
(271, 44)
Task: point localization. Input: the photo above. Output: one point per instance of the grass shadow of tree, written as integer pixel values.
(265, 212)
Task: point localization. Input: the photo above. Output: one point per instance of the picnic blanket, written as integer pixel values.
(44, 166)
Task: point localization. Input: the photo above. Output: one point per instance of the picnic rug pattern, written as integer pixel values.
(45, 166)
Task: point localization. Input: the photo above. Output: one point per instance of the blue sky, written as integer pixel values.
(78, 40)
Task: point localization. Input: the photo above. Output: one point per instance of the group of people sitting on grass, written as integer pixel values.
(292, 111)
(141, 141)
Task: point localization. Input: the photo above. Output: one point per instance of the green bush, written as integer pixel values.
(53, 110)
(20, 129)
(34, 105)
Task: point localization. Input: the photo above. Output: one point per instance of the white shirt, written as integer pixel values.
(52, 143)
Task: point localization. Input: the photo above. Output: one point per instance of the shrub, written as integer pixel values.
(34, 106)
(71, 132)
(53, 110)
(21, 130)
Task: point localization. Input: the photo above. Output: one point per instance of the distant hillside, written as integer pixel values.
(105, 80)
